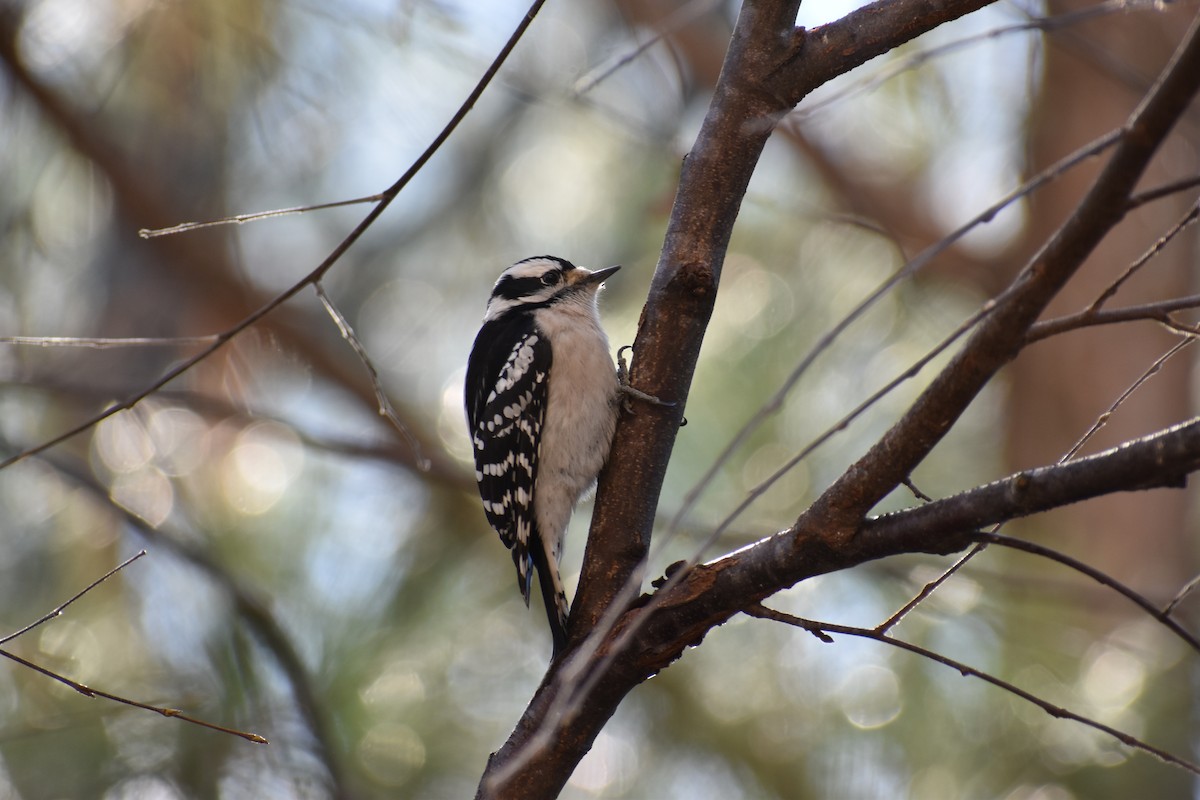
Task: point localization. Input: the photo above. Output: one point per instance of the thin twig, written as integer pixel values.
(679, 18)
(58, 611)
(1158, 312)
(929, 589)
(239, 219)
(384, 404)
(1103, 419)
(1188, 219)
(1103, 578)
(917, 493)
(823, 629)
(88, 691)
(1184, 592)
(105, 343)
(1159, 192)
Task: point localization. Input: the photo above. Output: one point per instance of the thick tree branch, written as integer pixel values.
(1163, 460)
(711, 185)
(833, 50)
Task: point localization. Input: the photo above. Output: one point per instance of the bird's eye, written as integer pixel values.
(551, 278)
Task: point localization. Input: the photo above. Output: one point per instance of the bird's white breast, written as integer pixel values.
(581, 411)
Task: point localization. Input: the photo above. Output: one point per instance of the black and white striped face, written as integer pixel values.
(541, 281)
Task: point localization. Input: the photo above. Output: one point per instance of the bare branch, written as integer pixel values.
(1166, 190)
(385, 405)
(1102, 420)
(1161, 460)
(253, 610)
(59, 610)
(1103, 578)
(1187, 589)
(104, 343)
(928, 589)
(1188, 219)
(914, 61)
(1157, 312)
(822, 630)
(240, 219)
(88, 691)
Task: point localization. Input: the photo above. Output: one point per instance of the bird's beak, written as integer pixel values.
(582, 277)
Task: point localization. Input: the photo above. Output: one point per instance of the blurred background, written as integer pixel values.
(307, 582)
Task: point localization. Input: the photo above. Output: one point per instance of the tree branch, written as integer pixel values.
(1104, 579)
(711, 185)
(1162, 460)
(822, 630)
(1158, 311)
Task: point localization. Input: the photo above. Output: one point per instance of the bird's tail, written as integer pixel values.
(553, 595)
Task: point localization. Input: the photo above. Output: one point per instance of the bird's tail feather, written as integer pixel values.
(554, 596)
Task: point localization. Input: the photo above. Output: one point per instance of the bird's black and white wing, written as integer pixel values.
(507, 388)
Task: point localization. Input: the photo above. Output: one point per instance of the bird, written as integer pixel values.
(542, 398)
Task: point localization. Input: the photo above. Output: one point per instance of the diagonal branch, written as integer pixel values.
(88, 691)
(58, 611)
(822, 630)
(1104, 579)
(1162, 460)
(1159, 311)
